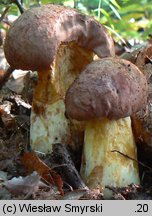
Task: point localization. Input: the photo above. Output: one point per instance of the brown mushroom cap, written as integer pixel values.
(34, 38)
(113, 88)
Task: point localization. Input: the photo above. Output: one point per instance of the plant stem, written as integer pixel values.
(19, 5)
(99, 6)
(4, 13)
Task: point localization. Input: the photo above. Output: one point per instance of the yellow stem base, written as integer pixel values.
(100, 166)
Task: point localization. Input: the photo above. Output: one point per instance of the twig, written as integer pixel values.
(19, 5)
(142, 164)
(149, 58)
(143, 175)
(70, 187)
(5, 77)
(4, 13)
(62, 163)
(115, 191)
(6, 22)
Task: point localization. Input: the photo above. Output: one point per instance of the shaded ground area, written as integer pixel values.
(20, 179)
(28, 175)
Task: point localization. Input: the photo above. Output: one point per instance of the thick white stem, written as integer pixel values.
(100, 166)
(48, 122)
(50, 127)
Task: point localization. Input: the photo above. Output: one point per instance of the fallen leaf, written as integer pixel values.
(16, 81)
(33, 163)
(6, 117)
(23, 185)
(3, 62)
(5, 194)
(3, 176)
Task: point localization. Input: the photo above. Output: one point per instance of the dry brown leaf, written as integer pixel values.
(33, 163)
(23, 185)
(7, 118)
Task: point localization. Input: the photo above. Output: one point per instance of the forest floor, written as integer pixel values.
(19, 178)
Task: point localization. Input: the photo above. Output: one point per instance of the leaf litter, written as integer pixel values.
(25, 174)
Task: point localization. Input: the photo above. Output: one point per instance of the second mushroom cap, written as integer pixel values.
(113, 88)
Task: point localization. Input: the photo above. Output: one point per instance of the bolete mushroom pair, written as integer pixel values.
(105, 95)
(58, 42)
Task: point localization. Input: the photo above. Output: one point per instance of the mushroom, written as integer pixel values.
(58, 42)
(105, 95)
